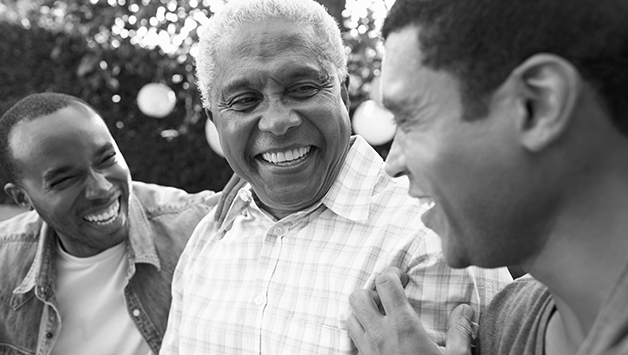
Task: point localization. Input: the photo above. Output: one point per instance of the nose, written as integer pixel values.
(396, 159)
(97, 186)
(278, 119)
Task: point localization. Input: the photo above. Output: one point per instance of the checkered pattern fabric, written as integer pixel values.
(255, 285)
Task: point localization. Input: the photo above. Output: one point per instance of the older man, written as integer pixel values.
(88, 270)
(320, 219)
(513, 117)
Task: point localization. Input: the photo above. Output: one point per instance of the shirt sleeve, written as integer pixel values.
(434, 289)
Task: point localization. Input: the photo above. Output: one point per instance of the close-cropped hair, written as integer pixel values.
(481, 41)
(27, 109)
(237, 14)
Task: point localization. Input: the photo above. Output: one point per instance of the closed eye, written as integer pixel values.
(108, 160)
(243, 103)
(303, 91)
(63, 182)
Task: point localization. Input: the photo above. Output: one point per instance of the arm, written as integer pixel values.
(229, 193)
(223, 200)
(384, 322)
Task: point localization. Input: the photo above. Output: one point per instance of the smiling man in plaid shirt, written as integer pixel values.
(319, 218)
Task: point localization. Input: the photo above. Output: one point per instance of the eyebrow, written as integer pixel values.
(51, 174)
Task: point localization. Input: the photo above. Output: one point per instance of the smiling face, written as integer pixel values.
(73, 175)
(281, 112)
(486, 202)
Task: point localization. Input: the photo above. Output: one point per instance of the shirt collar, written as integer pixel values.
(351, 194)
(141, 250)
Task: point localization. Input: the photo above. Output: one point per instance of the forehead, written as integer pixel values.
(277, 48)
(402, 65)
(64, 135)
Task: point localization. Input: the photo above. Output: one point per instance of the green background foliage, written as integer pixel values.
(100, 51)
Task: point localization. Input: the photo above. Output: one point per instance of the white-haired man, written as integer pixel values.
(320, 218)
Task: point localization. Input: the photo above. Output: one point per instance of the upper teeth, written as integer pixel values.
(105, 216)
(281, 157)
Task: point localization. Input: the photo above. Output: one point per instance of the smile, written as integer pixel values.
(286, 157)
(105, 217)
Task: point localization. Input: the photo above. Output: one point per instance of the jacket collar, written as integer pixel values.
(140, 247)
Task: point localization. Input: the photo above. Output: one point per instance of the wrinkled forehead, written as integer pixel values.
(270, 38)
(280, 49)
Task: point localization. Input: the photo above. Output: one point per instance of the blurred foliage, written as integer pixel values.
(104, 51)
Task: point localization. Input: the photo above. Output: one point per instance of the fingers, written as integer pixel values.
(396, 331)
(365, 306)
(459, 333)
(227, 196)
(389, 285)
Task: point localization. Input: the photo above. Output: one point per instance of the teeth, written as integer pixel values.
(105, 217)
(427, 202)
(282, 157)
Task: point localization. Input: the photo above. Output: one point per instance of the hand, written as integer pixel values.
(384, 322)
(229, 193)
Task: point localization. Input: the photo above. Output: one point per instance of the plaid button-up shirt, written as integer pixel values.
(255, 285)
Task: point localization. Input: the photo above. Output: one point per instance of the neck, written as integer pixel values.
(586, 253)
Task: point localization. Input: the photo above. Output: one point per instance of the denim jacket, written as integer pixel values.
(161, 221)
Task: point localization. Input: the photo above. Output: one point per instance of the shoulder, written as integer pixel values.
(524, 294)
(21, 228)
(159, 200)
(19, 237)
(514, 320)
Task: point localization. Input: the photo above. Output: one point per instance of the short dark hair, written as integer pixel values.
(481, 41)
(25, 110)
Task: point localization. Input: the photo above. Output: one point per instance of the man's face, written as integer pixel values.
(75, 177)
(471, 169)
(281, 112)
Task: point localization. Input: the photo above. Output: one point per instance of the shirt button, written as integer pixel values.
(49, 335)
(259, 300)
(245, 195)
(280, 231)
(136, 313)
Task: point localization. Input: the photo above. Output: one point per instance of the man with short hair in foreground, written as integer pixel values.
(513, 118)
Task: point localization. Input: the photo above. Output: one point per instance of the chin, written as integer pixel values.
(457, 262)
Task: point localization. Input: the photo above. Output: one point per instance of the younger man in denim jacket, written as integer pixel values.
(89, 269)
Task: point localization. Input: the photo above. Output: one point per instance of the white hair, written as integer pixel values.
(238, 13)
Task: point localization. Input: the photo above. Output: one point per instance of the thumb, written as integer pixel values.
(460, 330)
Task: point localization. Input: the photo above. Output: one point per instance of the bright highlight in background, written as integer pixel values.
(374, 123)
(156, 100)
(211, 134)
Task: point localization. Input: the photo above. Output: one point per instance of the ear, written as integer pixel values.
(344, 92)
(18, 195)
(548, 89)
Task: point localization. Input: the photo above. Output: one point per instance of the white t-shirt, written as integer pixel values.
(90, 298)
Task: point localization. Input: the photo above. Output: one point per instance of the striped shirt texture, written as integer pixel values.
(256, 285)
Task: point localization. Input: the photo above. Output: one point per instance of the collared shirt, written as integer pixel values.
(255, 285)
(161, 220)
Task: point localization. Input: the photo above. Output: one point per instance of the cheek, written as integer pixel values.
(234, 134)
